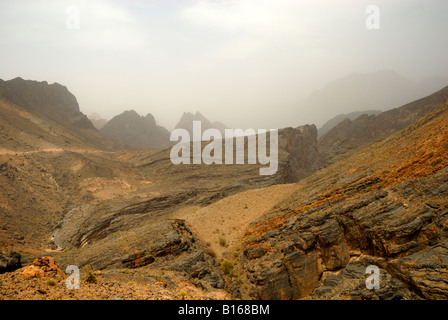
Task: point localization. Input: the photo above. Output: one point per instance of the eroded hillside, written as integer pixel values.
(384, 206)
(225, 230)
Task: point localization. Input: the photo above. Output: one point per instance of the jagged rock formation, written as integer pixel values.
(136, 131)
(186, 122)
(302, 149)
(351, 135)
(384, 206)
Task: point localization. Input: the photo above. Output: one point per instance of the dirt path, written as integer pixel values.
(52, 150)
(229, 218)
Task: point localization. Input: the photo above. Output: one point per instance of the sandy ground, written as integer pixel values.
(229, 218)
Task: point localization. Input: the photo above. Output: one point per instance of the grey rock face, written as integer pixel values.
(10, 261)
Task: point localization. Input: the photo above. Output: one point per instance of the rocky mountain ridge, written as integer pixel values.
(130, 212)
(350, 135)
(53, 101)
(383, 206)
(187, 118)
(136, 131)
(333, 122)
(380, 90)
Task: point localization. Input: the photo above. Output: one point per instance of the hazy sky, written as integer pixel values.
(247, 63)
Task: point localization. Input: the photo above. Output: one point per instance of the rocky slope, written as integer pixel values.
(117, 210)
(145, 224)
(44, 280)
(136, 131)
(350, 135)
(48, 107)
(385, 206)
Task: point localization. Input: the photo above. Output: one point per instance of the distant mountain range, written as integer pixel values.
(339, 118)
(371, 191)
(352, 134)
(137, 131)
(186, 122)
(381, 90)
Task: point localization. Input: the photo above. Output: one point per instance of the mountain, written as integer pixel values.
(52, 101)
(97, 121)
(37, 113)
(350, 135)
(136, 131)
(118, 210)
(146, 228)
(384, 206)
(186, 122)
(381, 90)
(341, 117)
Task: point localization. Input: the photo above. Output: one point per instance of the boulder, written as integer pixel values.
(43, 266)
(33, 271)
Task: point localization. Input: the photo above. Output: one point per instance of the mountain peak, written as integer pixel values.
(186, 122)
(136, 131)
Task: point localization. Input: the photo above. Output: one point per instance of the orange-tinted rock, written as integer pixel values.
(49, 266)
(33, 271)
(41, 267)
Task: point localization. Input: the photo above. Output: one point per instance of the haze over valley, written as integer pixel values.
(93, 206)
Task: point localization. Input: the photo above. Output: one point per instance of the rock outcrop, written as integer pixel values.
(43, 267)
(301, 147)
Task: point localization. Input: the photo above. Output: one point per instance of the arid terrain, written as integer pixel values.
(370, 191)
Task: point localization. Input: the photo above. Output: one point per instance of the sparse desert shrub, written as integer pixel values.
(227, 267)
(222, 242)
(250, 237)
(50, 282)
(182, 294)
(90, 277)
